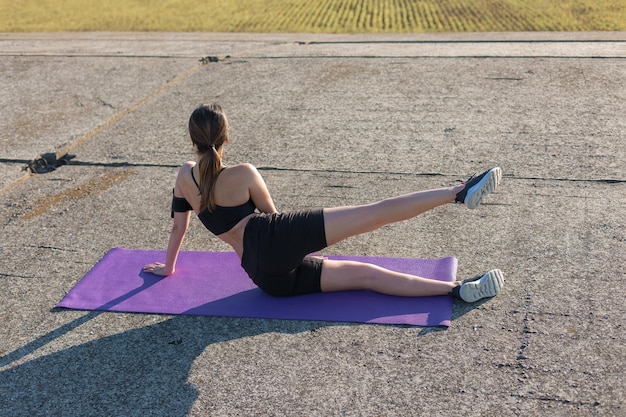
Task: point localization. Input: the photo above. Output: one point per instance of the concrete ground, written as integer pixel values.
(329, 120)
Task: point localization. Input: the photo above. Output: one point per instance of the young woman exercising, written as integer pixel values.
(234, 204)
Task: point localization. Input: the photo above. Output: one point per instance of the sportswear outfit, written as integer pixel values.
(275, 245)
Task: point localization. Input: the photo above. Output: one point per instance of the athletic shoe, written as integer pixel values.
(477, 187)
(480, 286)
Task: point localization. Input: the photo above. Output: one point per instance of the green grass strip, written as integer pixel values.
(312, 16)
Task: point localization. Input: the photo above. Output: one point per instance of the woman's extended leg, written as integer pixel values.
(343, 222)
(350, 275)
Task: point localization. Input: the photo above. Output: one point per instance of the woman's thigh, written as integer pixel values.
(343, 222)
(341, 275)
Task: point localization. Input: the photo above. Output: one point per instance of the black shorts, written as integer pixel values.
(275, 249)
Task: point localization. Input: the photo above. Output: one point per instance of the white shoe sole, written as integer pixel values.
(489, 285)
(486, 185)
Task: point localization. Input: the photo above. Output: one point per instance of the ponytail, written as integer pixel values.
(209, 166)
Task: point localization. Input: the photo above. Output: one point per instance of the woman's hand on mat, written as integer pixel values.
(157, 268)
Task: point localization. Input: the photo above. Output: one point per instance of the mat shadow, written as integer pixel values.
(346, 306)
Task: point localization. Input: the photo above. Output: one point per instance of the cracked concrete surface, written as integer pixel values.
(353, 119)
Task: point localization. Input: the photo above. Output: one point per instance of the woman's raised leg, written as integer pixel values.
(344, 222)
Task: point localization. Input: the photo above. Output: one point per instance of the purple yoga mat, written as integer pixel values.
(214, 284)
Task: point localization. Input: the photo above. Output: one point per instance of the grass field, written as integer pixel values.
(317, 16)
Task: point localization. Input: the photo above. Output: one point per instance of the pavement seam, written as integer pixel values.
(116, 118)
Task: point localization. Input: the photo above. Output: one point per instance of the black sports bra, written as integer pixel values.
(222, 218)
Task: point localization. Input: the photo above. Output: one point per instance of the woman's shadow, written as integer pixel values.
(138, 372)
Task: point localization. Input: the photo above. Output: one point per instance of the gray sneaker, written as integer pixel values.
(478, 187)
(480, 286)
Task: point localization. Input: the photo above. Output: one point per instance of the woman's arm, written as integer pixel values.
(179, 228)
(181, 223)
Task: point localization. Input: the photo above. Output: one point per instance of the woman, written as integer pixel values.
(235, 205)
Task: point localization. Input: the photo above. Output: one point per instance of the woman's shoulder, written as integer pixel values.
(244, 174)
(186, 167)
(188, 164)
(244, 166)
(243, 169)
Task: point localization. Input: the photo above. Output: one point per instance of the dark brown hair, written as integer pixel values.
(208, 128)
